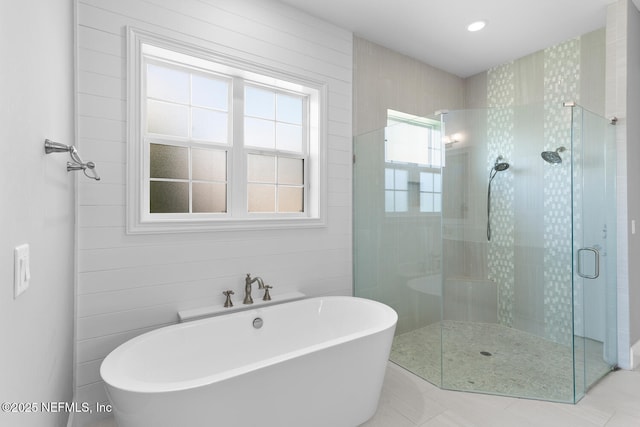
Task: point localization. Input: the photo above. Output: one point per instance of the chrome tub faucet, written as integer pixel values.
(247, 287)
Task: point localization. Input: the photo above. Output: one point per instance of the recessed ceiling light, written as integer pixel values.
(476, 26)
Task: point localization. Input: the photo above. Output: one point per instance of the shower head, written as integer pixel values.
(500, 165)
(553, 157)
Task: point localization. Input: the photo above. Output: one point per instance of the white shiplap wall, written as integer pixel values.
(129, 284)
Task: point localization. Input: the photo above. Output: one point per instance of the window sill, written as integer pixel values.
(187, 226)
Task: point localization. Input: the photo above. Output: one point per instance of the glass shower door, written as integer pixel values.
(529, 312)
(397, 235)
(507, 324)
(594, 248)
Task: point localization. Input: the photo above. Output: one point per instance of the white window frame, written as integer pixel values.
(139, 220)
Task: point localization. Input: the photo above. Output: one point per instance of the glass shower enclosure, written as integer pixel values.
(492, 234)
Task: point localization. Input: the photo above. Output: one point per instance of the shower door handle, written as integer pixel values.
(596, 257)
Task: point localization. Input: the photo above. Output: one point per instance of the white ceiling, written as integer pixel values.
(434, 31)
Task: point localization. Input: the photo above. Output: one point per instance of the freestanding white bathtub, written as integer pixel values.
(315, 362)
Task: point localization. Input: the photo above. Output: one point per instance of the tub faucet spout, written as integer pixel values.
(247, 287)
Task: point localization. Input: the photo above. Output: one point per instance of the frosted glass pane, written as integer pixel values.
(436, 158)
(259, 133)
(209, 197)
(437, 183)
(290, 171)
(259, 103)
(406, 144)
(289, 137)
(262, 198)
(389, 205)
(437, 202)
(168, 161)
(208, 92)
(402, 202)
(261, 168)
(209, 125)
(209, 165)
(426, 202)
(289, 109)
(401, 179)
(388, 179)
(426, 181)
(167, 83)
(167, 119)
(168, 197)
(290, 199)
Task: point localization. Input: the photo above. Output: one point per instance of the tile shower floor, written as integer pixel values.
(491, 358)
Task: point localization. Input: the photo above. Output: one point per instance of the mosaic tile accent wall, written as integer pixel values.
(561, 82)
(500, 140)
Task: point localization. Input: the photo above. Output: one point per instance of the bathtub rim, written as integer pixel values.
(112, 378)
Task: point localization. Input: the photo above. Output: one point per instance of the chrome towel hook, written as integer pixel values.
(77, 163)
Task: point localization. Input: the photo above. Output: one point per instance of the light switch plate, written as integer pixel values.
(21, 270)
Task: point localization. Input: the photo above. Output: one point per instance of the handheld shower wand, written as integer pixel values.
(499, 166)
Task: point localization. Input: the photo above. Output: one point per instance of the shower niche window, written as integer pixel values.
(412, 189)
(413, 140)
(413, 157)
(430, 191)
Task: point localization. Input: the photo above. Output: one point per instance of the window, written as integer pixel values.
(218, 143)
(396, 190)
(413, 140)
(413, 158)
(430, 192)
(186, 118)
(276, 149)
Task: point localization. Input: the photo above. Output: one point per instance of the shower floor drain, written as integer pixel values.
(485, 353)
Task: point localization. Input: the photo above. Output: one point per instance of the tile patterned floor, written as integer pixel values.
(409, 401)
(491, 358)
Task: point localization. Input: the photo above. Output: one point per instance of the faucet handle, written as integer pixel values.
(267, 297)
(228, 302)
